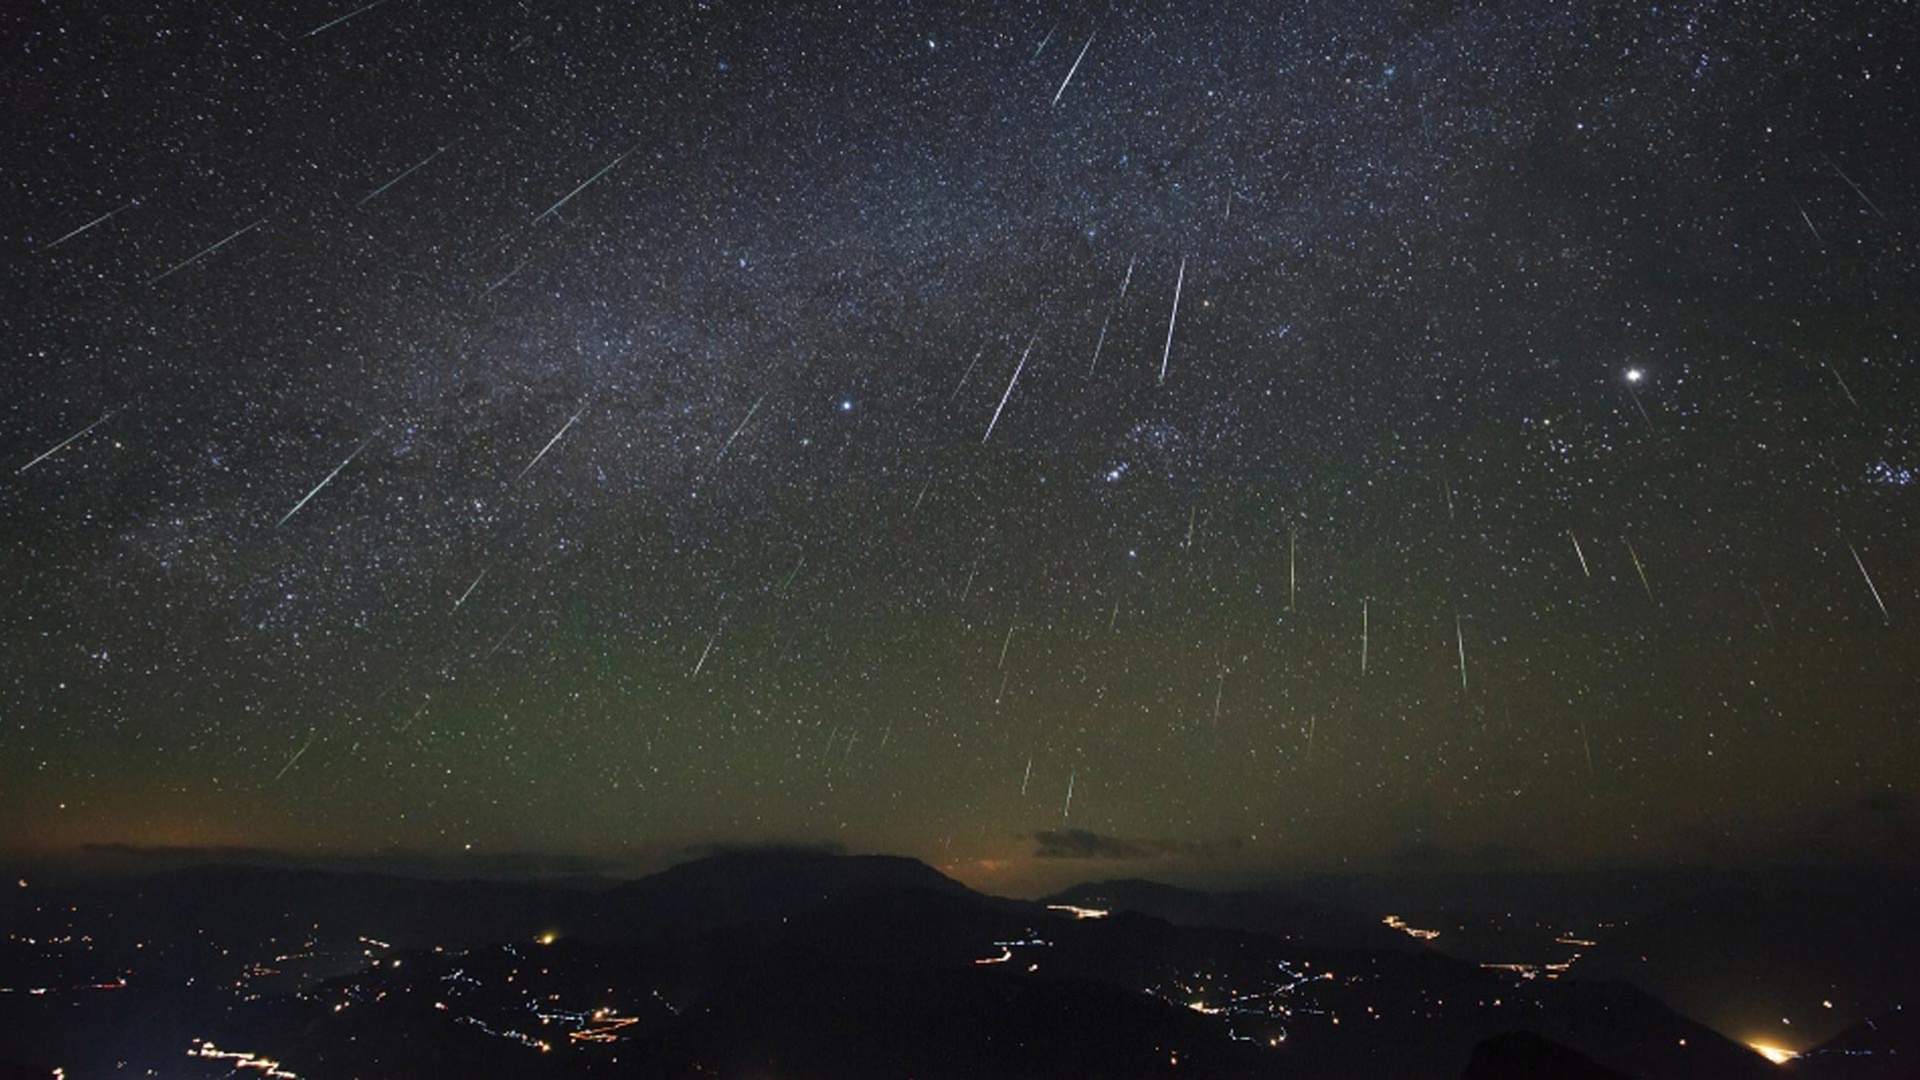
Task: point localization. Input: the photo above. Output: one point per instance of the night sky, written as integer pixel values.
(1420, 434)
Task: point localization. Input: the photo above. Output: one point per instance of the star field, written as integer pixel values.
(720, 423)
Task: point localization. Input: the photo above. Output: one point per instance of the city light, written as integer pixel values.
(1397, 923)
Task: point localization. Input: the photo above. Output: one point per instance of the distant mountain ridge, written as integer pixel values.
(1281, 914)
(793, 963)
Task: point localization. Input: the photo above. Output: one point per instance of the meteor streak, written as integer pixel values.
(1010, 384)
(583, 186)
(963, 375)
(417, 713)
(1855, 187)
(323, 483)
(1074, 68)
(469, 592)
(1363, 635)
(1173, 318)
(550, 442)
(312, 735)
(1637, 402)
(702, 662)
(101, 220)
(64, 443)
(522, 265)
(377, 192)
(1293, 579)
(1460, 640)
(728, 445)
(504, 638)
(1843, 383)
(1641, 570)
(330, 25)
(1870, 585)
(203, 253)
(1809, 221)
(1581, 554)
(1044, 40)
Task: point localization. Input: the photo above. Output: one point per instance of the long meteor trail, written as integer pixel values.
(965, 374)
(488, 291)
(1010, 384)
(1460, 640)
(1581, 554)
(1044, 40)
(203, 253)
(1293, 579)
(736, 431)
(296, 756)
(377, 192)
(1843, 383)
(1076, 67)
(64, 443)
(702, 662)
(1638, 569)
(329, 479)
(583, 186)
(550, 442)
(330, 25)
(1870, 585)
(1363, 636)
(101, 220)
(469, 592)
(1809, 221)
(1173, 318)
(1856, 189)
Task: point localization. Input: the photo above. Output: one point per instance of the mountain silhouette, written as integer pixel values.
(790, 963)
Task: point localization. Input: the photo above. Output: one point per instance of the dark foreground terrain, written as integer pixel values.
(796, 964)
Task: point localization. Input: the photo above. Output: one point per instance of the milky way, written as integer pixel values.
(1361, 286)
